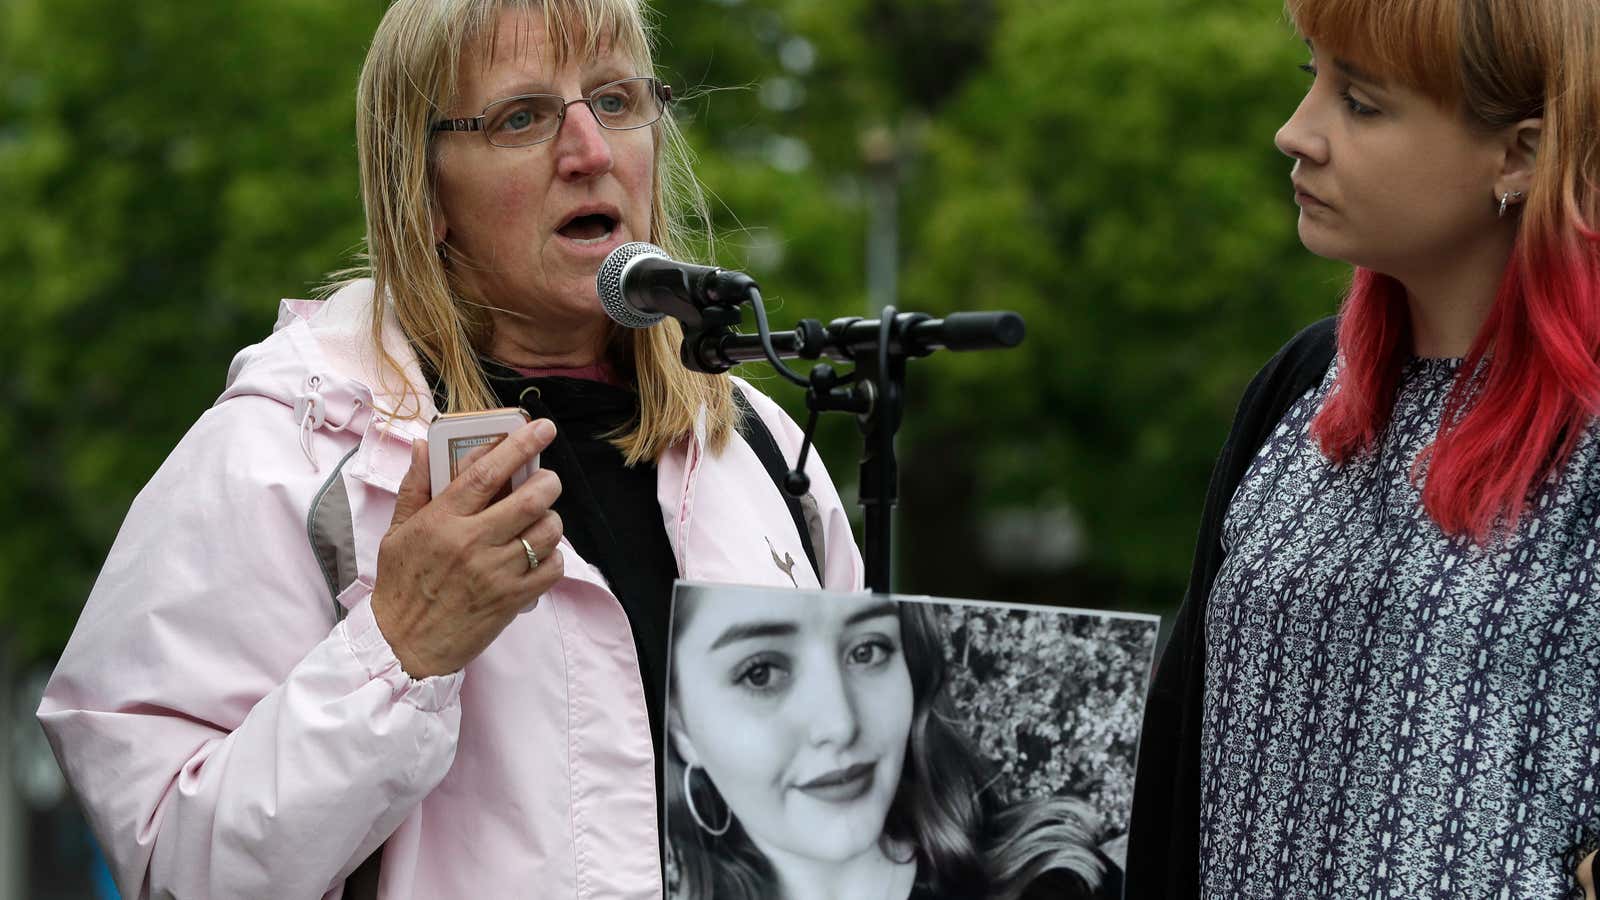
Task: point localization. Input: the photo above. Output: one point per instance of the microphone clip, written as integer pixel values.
(723, 288)
(828, 392)
(700, 339)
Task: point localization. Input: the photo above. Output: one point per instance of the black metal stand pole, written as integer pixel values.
(885, 373)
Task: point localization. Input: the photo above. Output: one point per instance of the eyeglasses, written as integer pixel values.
(535, 118)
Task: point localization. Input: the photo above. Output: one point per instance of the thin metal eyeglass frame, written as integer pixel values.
(660, 91)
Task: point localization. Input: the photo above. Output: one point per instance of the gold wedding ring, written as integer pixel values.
(533, 558)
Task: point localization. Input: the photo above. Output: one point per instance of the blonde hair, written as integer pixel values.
(408, 79)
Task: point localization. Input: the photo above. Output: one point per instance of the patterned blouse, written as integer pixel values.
(1390, 712)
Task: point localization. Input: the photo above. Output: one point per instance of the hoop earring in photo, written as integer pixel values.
(688, 798)
(444, 254)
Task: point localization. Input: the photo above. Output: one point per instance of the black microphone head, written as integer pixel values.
(608, 283)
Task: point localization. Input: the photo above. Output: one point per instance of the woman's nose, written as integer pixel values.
(1301, 137)
(831, 709)
(582, 150)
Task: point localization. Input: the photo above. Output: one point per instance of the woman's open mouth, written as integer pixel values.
(590, 229)
(841, 785)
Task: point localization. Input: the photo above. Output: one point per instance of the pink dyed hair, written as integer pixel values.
(1531, 381)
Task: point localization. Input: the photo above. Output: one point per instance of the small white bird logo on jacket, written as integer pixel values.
(785, 564)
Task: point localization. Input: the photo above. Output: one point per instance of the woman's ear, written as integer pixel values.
(441, 228)
(680, 739)
(1521, 151)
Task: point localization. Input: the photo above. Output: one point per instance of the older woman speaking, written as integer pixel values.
(298, 666)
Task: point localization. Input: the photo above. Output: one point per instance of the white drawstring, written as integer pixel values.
(311, 411)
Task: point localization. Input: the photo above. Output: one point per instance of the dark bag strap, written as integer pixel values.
(363, 882)
(760, 439)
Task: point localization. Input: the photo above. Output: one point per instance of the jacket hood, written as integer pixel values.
(332, 340)
(320, 362)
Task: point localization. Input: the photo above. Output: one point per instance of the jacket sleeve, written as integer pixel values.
(843, 569)
(224, 736)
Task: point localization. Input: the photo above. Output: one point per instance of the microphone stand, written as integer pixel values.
(874, 389)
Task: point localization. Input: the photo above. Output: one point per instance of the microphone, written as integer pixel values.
(639, 284)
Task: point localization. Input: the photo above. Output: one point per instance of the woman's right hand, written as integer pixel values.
(452, 572)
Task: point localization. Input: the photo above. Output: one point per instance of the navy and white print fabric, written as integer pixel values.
(1390, 712)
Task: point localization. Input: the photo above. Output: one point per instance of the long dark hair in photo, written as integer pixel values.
(965, 841)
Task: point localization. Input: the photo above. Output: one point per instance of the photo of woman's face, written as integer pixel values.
(798, 708)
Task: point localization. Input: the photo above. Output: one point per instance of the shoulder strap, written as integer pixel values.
(759, 437)
(363, 882)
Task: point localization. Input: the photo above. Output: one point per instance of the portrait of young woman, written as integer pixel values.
(812, 753)
(1383, 681)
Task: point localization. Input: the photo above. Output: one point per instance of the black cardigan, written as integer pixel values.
(1164, 837)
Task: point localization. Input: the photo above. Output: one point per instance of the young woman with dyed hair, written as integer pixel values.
(1386, 676)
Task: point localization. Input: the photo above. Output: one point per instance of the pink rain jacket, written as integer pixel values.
(228, 740)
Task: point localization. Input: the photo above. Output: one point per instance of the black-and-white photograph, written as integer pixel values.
(865, 746)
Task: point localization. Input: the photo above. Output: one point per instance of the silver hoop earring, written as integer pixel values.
(688, 798)
(444, 254)
(1505, 201)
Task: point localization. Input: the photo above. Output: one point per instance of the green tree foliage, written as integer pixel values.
(168, 171)
(1119, 187)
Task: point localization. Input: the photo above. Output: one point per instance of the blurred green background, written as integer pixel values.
(169, 170)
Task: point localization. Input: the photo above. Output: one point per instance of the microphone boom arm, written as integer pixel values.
(914, 334)
(874, 390)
